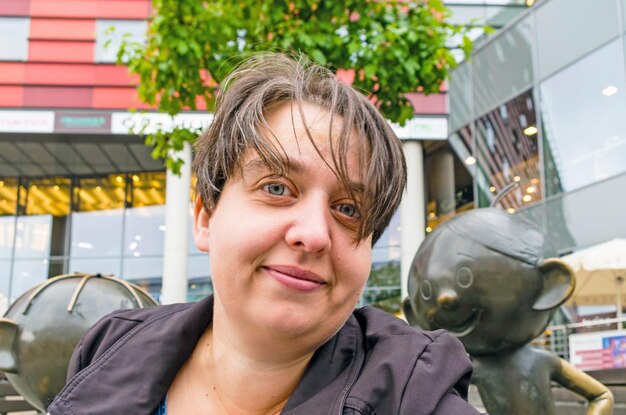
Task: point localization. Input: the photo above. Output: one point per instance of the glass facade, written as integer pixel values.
(542, 105)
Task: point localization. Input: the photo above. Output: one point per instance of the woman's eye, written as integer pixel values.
(276, 189)
(348, 210)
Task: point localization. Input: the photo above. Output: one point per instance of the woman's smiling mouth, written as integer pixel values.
(295, 278)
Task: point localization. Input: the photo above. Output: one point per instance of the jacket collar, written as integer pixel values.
(134, 374)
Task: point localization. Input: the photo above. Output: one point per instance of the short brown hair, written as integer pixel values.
(269, 79)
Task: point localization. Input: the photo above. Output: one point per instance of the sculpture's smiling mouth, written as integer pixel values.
(465, 327)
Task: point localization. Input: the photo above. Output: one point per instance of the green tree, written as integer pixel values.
(393, 47)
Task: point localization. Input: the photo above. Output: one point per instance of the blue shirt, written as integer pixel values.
(162, 409)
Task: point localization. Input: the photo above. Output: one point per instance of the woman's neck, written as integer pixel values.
(228, 380)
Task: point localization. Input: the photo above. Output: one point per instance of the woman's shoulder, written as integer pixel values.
(418, 370)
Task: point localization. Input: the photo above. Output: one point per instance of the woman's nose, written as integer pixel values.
(447, 298)
(310, 227)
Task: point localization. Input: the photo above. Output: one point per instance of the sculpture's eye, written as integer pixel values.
(464, 277)
(426, 290)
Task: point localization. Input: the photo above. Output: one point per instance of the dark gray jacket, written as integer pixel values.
(376, 364)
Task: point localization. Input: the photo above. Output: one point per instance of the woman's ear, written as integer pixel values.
(558, 284)
(201, 219)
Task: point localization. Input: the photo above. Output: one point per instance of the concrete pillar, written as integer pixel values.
(412, 211)
(441, 180)
(175, 249)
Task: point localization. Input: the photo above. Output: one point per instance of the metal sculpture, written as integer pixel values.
(42, 327)
(482, 276)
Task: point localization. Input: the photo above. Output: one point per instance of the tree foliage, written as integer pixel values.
(391, 47)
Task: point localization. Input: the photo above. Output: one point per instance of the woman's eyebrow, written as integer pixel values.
(258, 166)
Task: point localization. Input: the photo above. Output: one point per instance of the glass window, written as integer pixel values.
(460, 94)
(8, 207)
(508, 152)
(49, 196)
(584, 127)
(383, 285)
(143, 267)
(144, 232)
(5, 285)
(96, 265)
(449, 185)
(27, 274)
(97, 223)
(569, 215)
(148, 189)
(32, 239)
(97, 234)
(484, 12)
(504, 67)
(100, 193)
(580, 29)
(14, 38)
(111, 33)
(624, 15)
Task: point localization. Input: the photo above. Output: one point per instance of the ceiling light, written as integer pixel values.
(492, 189)
(119, 179)
(510, 210)
(527, 198)
(516, 179)
(56, 188)
(532, 130)
(98, 189)
(609, 90)
(431, 215)
(470, 160)
(531, 189)
(428, 229)
(135, 178)
(530, 2)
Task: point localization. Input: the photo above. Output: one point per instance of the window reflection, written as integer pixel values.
(148, 189)
(49, 196)
(584, 126)
(100, 193)
(8, 207)
(8, 196)
(27, 274)
(508, 152)
(449, 179)
(5, 285)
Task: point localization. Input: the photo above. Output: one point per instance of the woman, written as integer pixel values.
(298, 176)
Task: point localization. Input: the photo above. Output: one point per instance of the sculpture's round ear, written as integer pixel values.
(408, 312)
(558, 284)
(8, 343)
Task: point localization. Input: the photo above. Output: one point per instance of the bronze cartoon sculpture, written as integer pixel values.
(41, 328)
(482, 276)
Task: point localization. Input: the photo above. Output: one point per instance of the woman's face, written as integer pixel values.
(284, 259)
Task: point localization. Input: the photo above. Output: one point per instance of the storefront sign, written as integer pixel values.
(82, 122)
(26, 121)
(599, 350)
(423, 128)
(146, 123)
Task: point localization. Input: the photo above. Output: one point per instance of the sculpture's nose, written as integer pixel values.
(447, 298)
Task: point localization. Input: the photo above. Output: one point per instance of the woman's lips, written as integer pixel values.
(294, 277)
